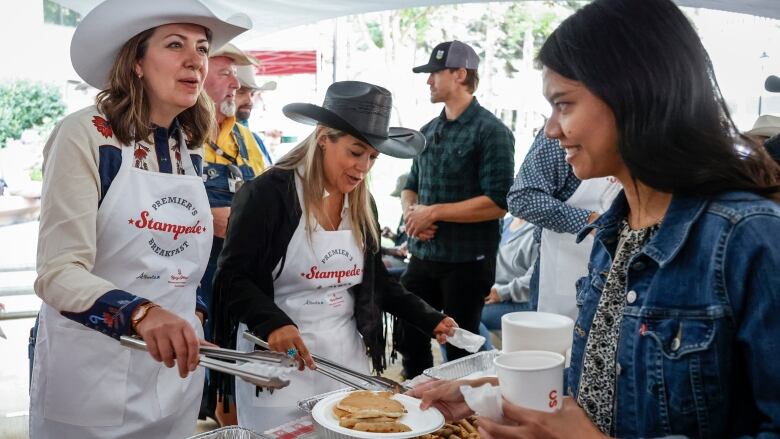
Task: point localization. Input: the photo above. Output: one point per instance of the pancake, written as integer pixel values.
(381, 427)
(367, 404)
(350, 422)
(370, 411)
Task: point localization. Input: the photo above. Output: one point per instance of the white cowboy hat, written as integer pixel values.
(246, 76)
(766, 126)
(239, 57)
(106, 28)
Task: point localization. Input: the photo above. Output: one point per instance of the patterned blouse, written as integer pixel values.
(540, 190)
(599, 373)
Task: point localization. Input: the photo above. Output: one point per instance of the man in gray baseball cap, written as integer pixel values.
(450, 55)
(452, 202)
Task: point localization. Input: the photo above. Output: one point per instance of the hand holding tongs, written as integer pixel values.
(378, 381)
(205, 360)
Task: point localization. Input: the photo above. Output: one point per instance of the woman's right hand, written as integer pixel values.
(170, 339)
(287, 337)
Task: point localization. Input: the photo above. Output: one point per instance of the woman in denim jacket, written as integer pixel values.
(678, 323)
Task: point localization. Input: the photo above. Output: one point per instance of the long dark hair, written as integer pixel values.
(645, 60)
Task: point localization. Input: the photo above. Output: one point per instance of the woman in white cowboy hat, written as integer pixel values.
(125, 227)
(301, 266)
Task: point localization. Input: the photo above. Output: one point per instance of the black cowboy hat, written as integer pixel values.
(362, 110)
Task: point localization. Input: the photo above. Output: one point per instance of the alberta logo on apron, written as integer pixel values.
(176, 234)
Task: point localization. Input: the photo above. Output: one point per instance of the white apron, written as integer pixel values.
(309, 292)
(85, 384)
(563, 260)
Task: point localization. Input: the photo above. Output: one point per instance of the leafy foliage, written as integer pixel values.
(26, 104)
(520, 22)
(54, 13)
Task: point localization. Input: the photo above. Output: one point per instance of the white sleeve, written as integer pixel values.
(68, 223)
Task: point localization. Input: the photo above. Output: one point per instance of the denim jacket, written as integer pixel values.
(701, 323)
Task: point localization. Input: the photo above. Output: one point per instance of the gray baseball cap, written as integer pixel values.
(450, 55)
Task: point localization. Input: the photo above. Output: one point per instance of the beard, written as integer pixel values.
(227, 108)
(242, 113)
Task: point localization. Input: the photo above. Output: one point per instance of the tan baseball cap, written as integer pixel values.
(246, 76)
(239, 57)
(766, 126)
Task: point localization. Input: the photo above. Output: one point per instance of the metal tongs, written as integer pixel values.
(205, 360)
(327, 368)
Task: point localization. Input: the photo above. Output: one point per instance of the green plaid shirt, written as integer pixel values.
(467, 157)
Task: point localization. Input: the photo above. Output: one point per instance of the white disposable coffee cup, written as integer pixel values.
(531, 379)
(536, 331)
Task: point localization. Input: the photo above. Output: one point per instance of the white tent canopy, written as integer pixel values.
(273, 15)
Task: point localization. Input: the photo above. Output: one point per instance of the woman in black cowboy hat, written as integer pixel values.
(301, 266)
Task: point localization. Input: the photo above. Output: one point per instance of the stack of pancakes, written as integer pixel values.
(370, 411)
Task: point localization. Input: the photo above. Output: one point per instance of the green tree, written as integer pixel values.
(26, 104)
(54, 13)
(522, 28)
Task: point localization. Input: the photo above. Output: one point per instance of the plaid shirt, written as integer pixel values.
(542, 186)
(470, 156)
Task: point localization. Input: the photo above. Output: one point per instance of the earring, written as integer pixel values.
(140, 75)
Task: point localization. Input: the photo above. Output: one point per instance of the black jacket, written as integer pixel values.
(264, 216)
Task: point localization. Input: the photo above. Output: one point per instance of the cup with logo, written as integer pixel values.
(531, 379)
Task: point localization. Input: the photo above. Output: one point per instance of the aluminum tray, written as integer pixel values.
(471, 364)
(230, 433)
(308, 404)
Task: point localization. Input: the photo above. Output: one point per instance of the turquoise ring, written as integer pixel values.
(292, 352)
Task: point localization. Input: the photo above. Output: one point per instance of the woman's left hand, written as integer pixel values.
(567, 422)
(445, 328)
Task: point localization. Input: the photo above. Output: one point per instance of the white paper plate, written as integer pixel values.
(420, 421)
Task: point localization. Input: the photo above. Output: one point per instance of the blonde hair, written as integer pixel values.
(308, 154)
(125, 103)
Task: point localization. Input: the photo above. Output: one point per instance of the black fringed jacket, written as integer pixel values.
(264, 216)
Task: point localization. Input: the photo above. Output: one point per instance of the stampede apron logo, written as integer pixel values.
(173, 237)
(317, 272)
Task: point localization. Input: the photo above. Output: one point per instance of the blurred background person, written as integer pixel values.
(247, 96)
(396, 257)
(548, 194)
(517, 254)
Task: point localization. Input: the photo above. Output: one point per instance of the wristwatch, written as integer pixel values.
(140, 313)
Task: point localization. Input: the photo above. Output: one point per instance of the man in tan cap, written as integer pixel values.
(766, 131)
(766, 126)
(232, 157)
(246, 96)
